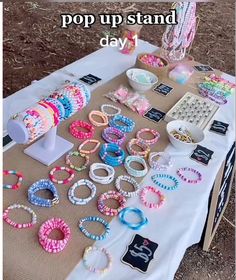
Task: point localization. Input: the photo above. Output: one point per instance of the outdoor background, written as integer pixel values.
(35, 46)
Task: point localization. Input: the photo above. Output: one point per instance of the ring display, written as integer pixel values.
(135, 172)
(129, 180)
(102, 179)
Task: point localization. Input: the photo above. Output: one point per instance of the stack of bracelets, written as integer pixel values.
(180, 173)
(109, 131)
(162, 163)
(134, 226)
(82, 151)
(134, 172)
(77, 154)
(128, 123)
(111, 195)
(111, 160)
(61, 168)
(153, 190)
(51, 245)
(104, 180)
(74, 130)
(155, 179)
(99, 114)
(104, 110)
(43, 184)
(145, 148)
(19, 181)
(156, 136)
(129, 180)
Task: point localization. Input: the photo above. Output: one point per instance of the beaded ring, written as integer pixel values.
(111, 195)
(61, 168)
(165, 176)
(128, 123)
(86, 142)
(162, 163)
(77, 154)
(143, 194)
(129, 180)
(81, 134)
(134, 172)
(100, 114)
(108, 159)
(102, 179)
(107, 132)
(81, 201)
(51, 245)
(180, 172)
(103, 109)
(136, 226)
(91, 268)
(94, 219)
(145, 148)
(152, 141)
(19, 181)
(16, 225)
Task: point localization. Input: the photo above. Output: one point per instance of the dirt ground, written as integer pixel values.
(34, 45)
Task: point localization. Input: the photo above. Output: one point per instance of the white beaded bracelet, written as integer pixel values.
(134, 172)
(118, 110)
(162, 163)
(104, 180)
(129, 180)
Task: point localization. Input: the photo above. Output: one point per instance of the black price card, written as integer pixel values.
(163, 89)
(202, 155)
(219, 127)
(203, 68)
(154, 115)
(139, 253)
(90, 79)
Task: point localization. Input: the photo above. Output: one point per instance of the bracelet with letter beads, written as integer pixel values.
(105, 106)
(85, 143)
(155, 179)
(99, 114)
(162, 163)
(135, 172)
(61, 168)
(129, 180)
(128, 123)
(134, 226)
(107, 132)
(156, 136)
(79, 133)
(145, 148)
(19, 181)
(102, 179)
(180, 173)
(77, 154)
(153, 190)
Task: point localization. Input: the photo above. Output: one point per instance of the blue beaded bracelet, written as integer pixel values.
(136, 226)
(109, 159)
(43, 184)
(67, 106)
(94, 219)
(59, 106)
(128, 123)
(165, 176)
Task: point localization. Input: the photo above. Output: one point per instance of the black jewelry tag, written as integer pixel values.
(90, 79)
(203, 68)
(163, 89)
(154, 115)
(219, 127)
(202, 155)
(139, 253)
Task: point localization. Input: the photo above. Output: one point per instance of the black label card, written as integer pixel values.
(163, 89)
(90, 79)
(219, 127)
(202, 155)
(139, 253)
(154, 115)
(203, 68)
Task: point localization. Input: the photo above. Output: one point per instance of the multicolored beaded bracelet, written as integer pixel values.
(94, 219)
(129, 180)
(43, 184)
(81, 134)
(128, 123)
(148, 189)
(104, 180)
(111, 195)
(134, 226)
(156, 136)
(107, 132)
(180, 172)
(85, 143)
(81, 201)
(105, 106)
(145, 148)
(53, 245)
(162, 163)
(165, 176)
(90, 249)
(77, 154)
(19, 181)
(134, 172)
(99, 114)
(16, 225)
(113, 148)
(61, 168)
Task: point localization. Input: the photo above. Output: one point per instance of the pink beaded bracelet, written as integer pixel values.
(16, 185)
(61, 168)
(79, 133)
(180, 172)
(51, 245)
(143, 194)
(156, 135)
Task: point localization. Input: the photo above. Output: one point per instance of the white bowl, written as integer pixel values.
(196, 133)
(139, 86)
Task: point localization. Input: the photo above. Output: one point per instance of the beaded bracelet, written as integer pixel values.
(111, 195)
(61, 168)
(77, 154)
(89, 151)
(129, 180)
(162, 163)
(53, 245)
(81, 201)
(19, 181)
(59, 106)
(128, 123)
(94, 219)
(16, 225)
(107, 132)
(145, 148)
(134, 172)
(134, 226)
(148, 189)
(43, 184)
(152, 141)
(102, 179)
(165, 176)
(104, 106)
(81, 134)
(108, 159)
(180, 172)
(101, 115)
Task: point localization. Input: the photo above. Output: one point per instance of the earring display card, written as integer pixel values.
(163, 89)
(154, 115)
(219, 127)
(139, 253)
(202, 155)
(203, 68)
(90, 79)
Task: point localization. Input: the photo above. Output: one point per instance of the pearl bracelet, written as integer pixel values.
(61, 168)
(77, 154)
(165, 176)
(128, 123)
(108, 159)
(134, 172)
(129, 180)
(81, 201)
(162, 163)
(152, 141)
(81, 134)
(136, 226)
(100, 114)
(148, 189)
(107, 132)
(180, 172)
(145, 148)
(102, 179)
(104, 106)
(19, 181)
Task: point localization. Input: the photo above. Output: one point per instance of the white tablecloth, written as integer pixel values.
(180, 222)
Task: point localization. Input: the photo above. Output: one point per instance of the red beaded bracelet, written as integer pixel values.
(18, 184)
(81, 134)
(143, 194)
(61, 168)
